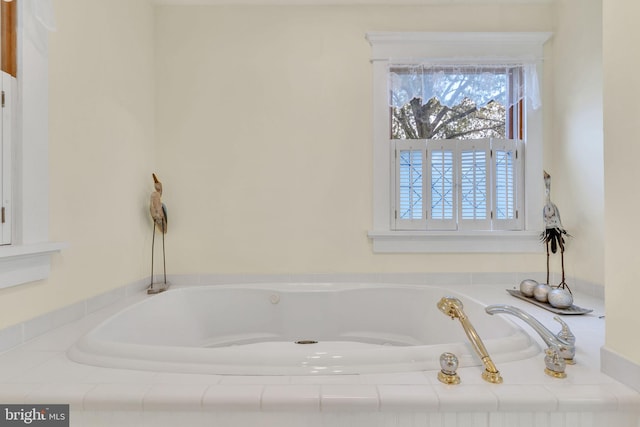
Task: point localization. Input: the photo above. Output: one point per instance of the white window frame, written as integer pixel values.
(28, 257)
(9, 90)
(393, 47)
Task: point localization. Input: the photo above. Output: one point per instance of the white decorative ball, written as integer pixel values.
(526, 287)
(541, 292)
(560, 298)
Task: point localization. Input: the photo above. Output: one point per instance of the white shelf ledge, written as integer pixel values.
(26, 263)
(456, 242)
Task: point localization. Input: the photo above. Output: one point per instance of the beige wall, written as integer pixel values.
(226, 82)
(258, 121)
(101, 153)
(575, 155)
(264, 135)
(622, 175)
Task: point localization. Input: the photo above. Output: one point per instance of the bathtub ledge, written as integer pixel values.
(39, 371)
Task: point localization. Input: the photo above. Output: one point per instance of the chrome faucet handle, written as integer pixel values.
(567, 348)
(448, 367)
(565, 333)
(554, 363)
(564, 340)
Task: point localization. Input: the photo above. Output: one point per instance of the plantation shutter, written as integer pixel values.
(508, 182)
(410, 185)
(442, 155)
(474, 207)
(467, 185)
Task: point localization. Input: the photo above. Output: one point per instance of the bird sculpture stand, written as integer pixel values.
(553, 235)
(159, 215)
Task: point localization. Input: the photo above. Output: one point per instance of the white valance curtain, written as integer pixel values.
(450, 84)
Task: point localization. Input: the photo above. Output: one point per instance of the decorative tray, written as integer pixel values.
(574, 309)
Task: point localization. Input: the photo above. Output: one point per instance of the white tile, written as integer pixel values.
(232, 397)
(407, 398)
(119, 376)
(344, 397)
(60, 338)
(326, 379)
(58, 369)
(17, 393)
(291, 397)
(116, 397)
(180, 378)
(526, 398)
(10, 337)
(395, 378)
(71, 393)
(583, 373)
(18, 361)
(254, 379)
(628, 399)
(477, 398)
(174, 397)
(525, 372)
(583, 397)
(49, 321)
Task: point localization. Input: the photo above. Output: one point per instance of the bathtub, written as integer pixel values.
(296, 329)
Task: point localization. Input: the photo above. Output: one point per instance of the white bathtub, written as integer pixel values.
(253, 330)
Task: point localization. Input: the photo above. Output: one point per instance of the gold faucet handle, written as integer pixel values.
(450, 306)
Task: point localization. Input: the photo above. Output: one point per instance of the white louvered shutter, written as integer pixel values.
(409, 158)
(507, 184)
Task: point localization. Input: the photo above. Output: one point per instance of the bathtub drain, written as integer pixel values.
(306, 342)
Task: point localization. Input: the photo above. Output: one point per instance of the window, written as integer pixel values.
(456, 163)
(8, 104)
(8, 94)
(457, 142)
(25, 172)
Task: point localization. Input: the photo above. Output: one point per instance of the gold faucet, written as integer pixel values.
(452, 307)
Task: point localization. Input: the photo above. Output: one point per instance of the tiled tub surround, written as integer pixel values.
(39, 371)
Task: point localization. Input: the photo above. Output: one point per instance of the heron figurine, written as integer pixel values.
(159, 215)
(554, 232)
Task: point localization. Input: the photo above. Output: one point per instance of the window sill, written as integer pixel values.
(26, 263)
(456, 242)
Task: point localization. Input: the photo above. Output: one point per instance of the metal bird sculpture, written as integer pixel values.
(159, 215)
(554, 232)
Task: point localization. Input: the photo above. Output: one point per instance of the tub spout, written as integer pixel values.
(564, 340)
(452, 307)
